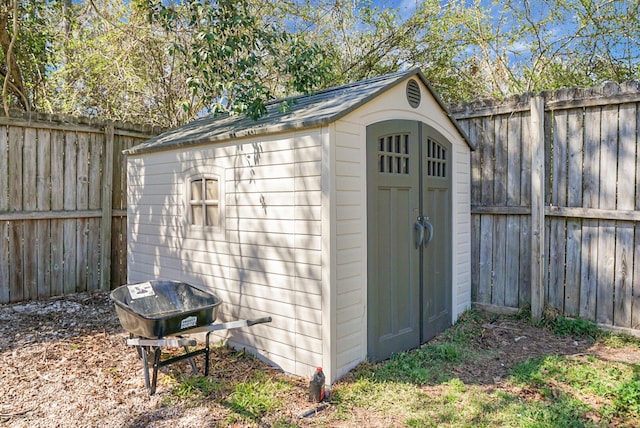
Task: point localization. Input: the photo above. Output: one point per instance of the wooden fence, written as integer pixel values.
(556, 203)
(62, 205)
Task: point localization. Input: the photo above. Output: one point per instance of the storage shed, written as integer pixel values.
(344, 215)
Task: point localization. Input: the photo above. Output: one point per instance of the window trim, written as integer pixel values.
(203, 202)
(204, 172)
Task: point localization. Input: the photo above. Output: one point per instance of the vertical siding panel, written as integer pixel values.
(488, 164)
(16, 276)
(29, 192)
(57, 203)
(118, 255)
(4, 262)
(476, 199)
(4, 225)
(16, 228)
(106, 202)
(44, 204)
(623, 287)
(95, 186)
(82, 203)
(486, 222)
(29, 170)
(525, 221)
(475, 257)
(635, 302)
(501, 157)
(627, 153)
(486, 265)
(500, 221)
(514, 160)
(70, 202)
(57, 170)
(475, 135)
(4, 169)
(514, 167)
(557, 237)
(574, 199)
(16, 144)
(121, 245)
(499, 259)
(607, 233)
(590, 197)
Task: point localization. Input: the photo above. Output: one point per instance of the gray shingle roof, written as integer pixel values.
(304, 111)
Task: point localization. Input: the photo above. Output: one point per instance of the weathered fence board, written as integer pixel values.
(590, 199)
(51, 184)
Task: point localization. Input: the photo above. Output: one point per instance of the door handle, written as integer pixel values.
(418, 226)
(429, 227)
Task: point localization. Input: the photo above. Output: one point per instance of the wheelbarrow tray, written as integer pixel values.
(155, 309)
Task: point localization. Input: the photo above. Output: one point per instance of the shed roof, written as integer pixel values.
(287, 114)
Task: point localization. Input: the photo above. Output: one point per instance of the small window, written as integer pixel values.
(205, 201)
(436, 159)
(393, 154)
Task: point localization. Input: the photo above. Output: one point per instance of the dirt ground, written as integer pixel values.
(64, 363)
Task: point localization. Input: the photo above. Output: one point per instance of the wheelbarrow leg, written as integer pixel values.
(191, 362)
(150, 382)
(207, 354)
(144, 353)
(156, 365)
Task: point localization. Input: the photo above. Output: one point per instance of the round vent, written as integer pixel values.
(413, 93)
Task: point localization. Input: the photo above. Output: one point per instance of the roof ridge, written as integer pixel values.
(342, 87)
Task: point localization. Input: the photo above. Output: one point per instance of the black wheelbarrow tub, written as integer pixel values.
(155, 309)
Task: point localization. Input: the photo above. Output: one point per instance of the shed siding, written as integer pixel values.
(294, 245)
(350, 206)
(461, 233)
(268, 260)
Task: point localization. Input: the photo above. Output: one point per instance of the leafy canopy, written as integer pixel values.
(166, 62)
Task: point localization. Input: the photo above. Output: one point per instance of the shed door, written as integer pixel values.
(436, 253)
(408, 195)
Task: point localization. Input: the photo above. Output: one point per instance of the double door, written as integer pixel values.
(409, 236)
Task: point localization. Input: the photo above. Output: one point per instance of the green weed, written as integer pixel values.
(194, 386)
(577, 328)
(627, 398)
(257, 397)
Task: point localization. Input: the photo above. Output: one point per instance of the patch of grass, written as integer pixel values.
(420, 388)
(559, 411)
(620, 340)
(577, 328)
(255, 398)
(432, 362)
(616, 386)
(627, 397)
(422, 366)
(190, 387)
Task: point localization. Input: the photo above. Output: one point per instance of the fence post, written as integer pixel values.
(107, 207)
(537, 207)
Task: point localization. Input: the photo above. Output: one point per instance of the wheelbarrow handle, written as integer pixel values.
(258, 321)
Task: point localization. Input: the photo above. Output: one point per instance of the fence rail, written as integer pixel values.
(62, 205)
(556, 203)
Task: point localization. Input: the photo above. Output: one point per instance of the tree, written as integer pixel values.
(113, 64)
(25, 42)
(238, 61)
(168, 61)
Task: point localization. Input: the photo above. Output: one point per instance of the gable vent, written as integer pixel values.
(413, 93)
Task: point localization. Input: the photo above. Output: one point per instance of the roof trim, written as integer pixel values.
(172, 139)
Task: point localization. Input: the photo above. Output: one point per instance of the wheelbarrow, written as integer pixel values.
(157, 314)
